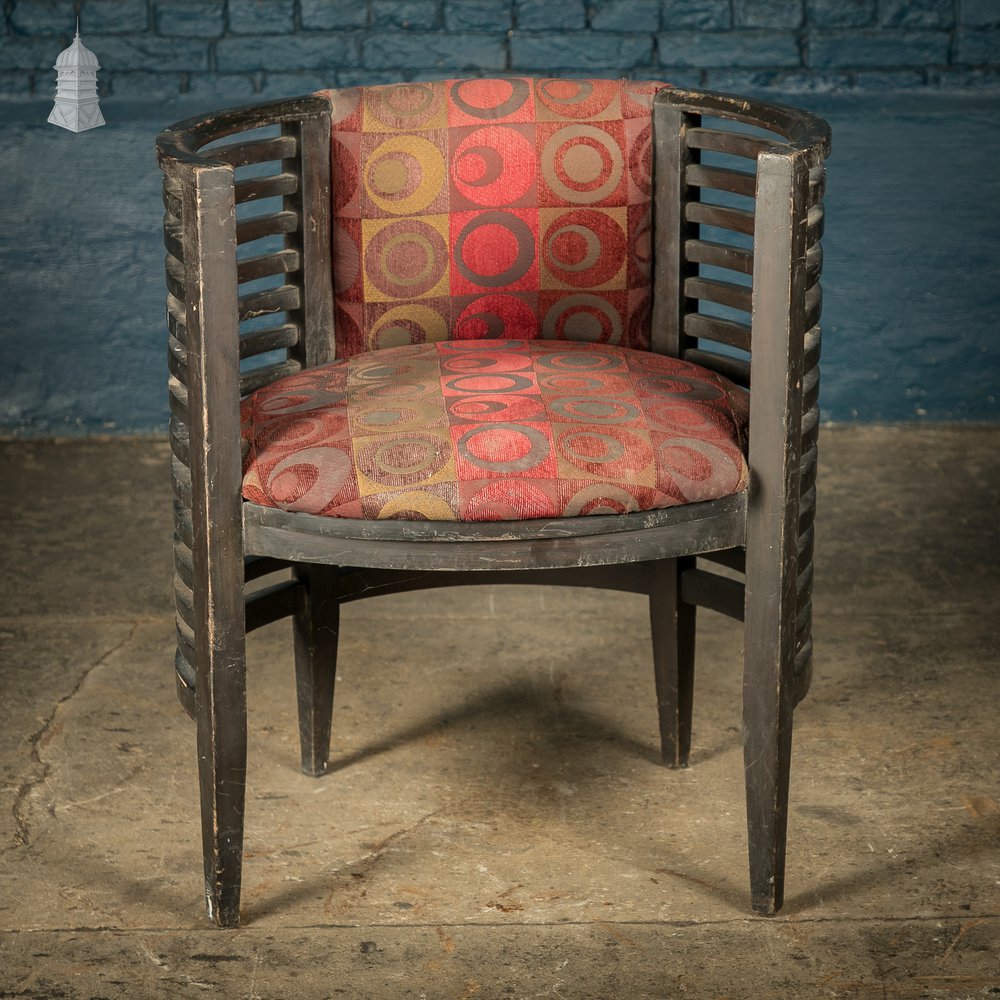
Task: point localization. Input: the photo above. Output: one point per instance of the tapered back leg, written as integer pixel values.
(673, 628)
(316, 626)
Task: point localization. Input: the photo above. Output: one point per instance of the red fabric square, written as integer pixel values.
(582, 163)
(473, 102)
(494, 250)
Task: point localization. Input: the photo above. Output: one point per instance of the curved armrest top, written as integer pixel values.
(181, 141)
(801, 129)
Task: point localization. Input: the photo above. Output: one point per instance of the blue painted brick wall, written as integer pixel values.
(152, 49)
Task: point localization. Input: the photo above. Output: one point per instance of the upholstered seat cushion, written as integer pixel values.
(494, 430)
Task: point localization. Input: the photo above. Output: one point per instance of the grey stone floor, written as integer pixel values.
(496, 824)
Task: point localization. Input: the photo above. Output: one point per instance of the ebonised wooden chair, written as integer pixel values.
(493, 331)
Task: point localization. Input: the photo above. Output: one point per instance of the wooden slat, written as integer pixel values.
(254, 567)
(242, 154)
(180, 440)
(252, 380)
(734, 181)
(722, 331)
(723, 141)
(814, 262)
(724, 293)
(737, 219)
(817, 185)
(271, 300)
(183, 563)
(173, 239)
(177, 318)
(185, 638)
(719, 255)
(182, 524)
(735, 559)
(811, 349)
(272, 339)
(807, 510)
(177, 360)
(180, 479)
(274, 186)
(263, 266)
(184, 602)
(810, 389)
(814, 225)
(806, 545)
(735, 369)
(175, 281)
(317, 345)
(172, 202)
(272, 604)
(178, 397)
(671, 227)
(710, 590)
(814, 305)
(266, 225)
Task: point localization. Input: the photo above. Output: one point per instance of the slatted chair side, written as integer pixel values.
(216, 288)
(707, 239)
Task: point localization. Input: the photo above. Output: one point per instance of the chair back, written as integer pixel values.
(511, 208)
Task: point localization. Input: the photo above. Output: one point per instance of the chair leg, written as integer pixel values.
(767, 727)
(317, 627)
(673, 627)
(222, 762)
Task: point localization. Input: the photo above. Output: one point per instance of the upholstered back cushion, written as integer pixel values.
(510, 208)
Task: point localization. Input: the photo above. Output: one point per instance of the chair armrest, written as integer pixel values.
(205, 310)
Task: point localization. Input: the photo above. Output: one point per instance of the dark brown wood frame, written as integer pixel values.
(748, 556)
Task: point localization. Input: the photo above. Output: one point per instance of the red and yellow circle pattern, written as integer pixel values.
(513, 208)
(489, 429)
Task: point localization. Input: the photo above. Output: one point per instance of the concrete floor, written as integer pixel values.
(496, 824)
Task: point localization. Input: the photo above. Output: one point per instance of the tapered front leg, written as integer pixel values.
(317, 628)
(222, 767)
(767, 753)
(673, 627)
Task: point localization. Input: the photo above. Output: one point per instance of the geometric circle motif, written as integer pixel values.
(579, 361)
(404, 174)
(601, 498)
(699, 468)
(420, 431)
(613, 454)
(595, 410)
(489, 99)
(679, 387)
(493, 166)
(404, 105)
(576, 98)
(494, 249)
(584, 248)
(503, 447)
(412, 323)
(406, 258)
(496, 317)
(582, 164)
(640, 160)
(491, 382)
(400, 459)
(583, 317)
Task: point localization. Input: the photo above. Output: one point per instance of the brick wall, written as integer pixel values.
(233, 49)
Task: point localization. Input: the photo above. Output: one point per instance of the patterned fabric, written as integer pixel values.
(494, 430)
(469, 209)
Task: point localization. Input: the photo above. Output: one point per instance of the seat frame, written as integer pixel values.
(748, 556)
